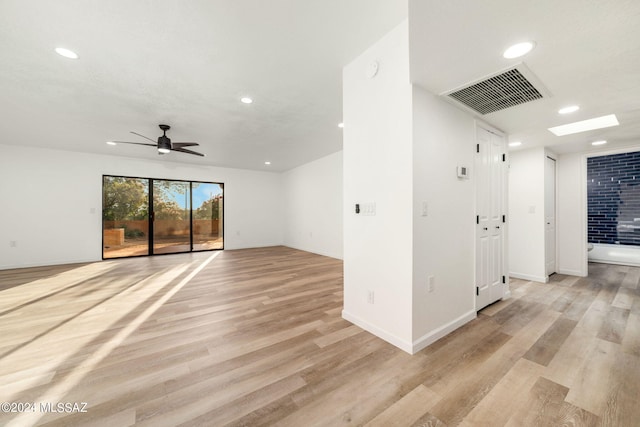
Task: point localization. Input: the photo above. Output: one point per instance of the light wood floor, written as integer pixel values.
(254, 337)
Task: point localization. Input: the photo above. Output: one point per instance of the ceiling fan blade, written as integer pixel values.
(184, 150)
(136, 143)
(184, 144)
(136, 133)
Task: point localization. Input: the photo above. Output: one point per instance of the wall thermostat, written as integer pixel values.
(463, 172)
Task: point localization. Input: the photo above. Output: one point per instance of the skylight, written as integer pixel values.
(585, 125)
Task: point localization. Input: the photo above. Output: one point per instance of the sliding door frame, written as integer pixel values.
(151, 216)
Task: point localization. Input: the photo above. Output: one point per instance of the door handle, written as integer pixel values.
(485, 228)
(497, 226)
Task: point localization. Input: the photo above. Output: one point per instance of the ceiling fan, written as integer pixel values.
(164, 143)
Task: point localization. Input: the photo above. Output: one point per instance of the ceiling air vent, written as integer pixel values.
(500, 91)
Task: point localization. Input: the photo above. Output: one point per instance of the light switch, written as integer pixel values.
(425, 209)
(368, 209)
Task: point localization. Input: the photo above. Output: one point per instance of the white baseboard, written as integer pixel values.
(50, 263)
(379, 332)
(420, 343)
(572, 272)
(435, 335)
(541, 279)
(323, 253)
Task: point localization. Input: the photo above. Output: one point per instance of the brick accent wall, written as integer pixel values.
(613, 194)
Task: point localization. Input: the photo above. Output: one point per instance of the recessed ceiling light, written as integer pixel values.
(598, 142)
(340, 125)
(111, 143)
(246, 100)
(515, 144)
(66, 53)
(585, 125)
(569, 109)
(518, 50)
(267, 163)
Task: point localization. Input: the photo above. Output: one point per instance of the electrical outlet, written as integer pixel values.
(430, 284)
(370, 297)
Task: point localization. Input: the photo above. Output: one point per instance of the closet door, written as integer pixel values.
(550, 215)
(490, 220)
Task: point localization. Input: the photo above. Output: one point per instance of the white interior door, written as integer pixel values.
(550, 215)
(490, 220)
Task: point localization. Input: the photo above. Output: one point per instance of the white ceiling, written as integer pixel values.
(587, 53)
(187, 63)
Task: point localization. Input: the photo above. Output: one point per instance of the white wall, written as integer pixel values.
(526, 214)
(312, 206)
(443, 241)
(52, 202)
(377, 150)
(572, 214)
(401, 148)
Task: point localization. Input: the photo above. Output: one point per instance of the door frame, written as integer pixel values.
(150, 181)
(585, 201)
(550, 155)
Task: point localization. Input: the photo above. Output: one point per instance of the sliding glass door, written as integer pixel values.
(125, 216)
(171, 216)
(207, 216)
(144, 216)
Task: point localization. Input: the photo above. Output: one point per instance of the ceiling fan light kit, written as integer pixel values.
(164, 144)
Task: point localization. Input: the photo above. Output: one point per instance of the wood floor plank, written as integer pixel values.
(624, 298)
(571, 415)
(406, 411)
(513, 388)
(614, 325)
(468, 362)
(468, 388)
(631, 279)
(580, 304)
(591, 386)
(428, 420)
(550, 342)
(338, 335)
(631, 339)
(574, 353)
(374, 387)
(594, 317)
(543, 405)
(255, 337)
(622, 406)
(497, 306)
(247, 403)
